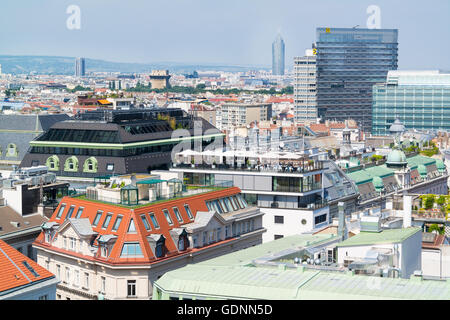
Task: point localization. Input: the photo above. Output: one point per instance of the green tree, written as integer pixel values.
(429, 201)
(441, 200)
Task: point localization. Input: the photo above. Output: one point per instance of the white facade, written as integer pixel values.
(407, 254)
(436, 262)
(288, 222)
(305, 88)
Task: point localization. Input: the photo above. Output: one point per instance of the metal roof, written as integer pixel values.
(385, 236)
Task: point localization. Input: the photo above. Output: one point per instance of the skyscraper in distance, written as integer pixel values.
(79, 67)
(349, 62)
(305, 88)
(278, 56)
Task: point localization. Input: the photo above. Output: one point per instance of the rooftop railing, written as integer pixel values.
(278, 168)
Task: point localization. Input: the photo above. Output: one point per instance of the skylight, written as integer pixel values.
(30, 268)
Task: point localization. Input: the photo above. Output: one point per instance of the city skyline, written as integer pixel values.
(245, 30)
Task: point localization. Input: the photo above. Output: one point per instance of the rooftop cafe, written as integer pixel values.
(287, 162)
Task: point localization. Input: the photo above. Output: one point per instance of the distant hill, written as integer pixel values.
(65, 66)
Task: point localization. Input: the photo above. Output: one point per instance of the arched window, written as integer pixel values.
(12, 151)
(71, 164)
(52, 163)
(183, 241)
(160, 247)
(90, 165)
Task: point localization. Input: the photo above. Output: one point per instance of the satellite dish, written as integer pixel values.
(308, 260)
(317, 261)
(296, 260)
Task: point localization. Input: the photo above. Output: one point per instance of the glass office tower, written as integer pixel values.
(419, 99)
(278, 56)
(349, 62)
(80, 67)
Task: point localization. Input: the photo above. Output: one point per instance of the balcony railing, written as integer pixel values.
(278, 168)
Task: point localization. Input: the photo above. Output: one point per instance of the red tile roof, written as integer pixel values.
(196, 203)
(14, 273)
(319, 127)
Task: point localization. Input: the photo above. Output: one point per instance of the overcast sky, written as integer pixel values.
(233, 32)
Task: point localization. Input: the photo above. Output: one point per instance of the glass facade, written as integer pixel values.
(419, 100)
(278, 56)
(349, 62)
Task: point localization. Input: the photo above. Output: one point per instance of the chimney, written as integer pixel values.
(40, 209)
(407, 203)
(342, 232)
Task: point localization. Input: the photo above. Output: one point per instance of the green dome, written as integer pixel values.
(440, 165)
(378, 183)
(422, 170)
(396, 157)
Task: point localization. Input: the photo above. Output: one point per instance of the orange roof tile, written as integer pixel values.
(196, 203)
(14, 273)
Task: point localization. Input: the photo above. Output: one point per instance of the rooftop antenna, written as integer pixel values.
(356, 26)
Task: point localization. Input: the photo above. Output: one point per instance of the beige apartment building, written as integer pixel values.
(234, 115)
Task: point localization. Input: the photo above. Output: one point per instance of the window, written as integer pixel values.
(86, 280)
(279, 219)
(65, 242)
(320, 219)
(104, 251)
(30, 268)
(241, 201)
(131, 249)
(219, 230)
(131, 288)
(145, 222)
(47, 265)
(67, 275)
(169, 219)
(177, 214)
(73, 244)
(205, 234)
(227, 231)
(61, 210)
(48, 236)
(195, 241)
(97, 218)
(228, 204)
(107, 220)
(44, 297)
(58, 271)
(154, 221)
(103, 284)
(79, 212)
(252, 225)
(278, 236)
(77, 278)
(69, 213)
(131, 227)
(117, 223)
(188, 211)
(224, 207)
(234, 203)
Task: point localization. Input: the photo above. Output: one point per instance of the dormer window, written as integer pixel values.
(97, 218)
(69, 213)
(79, 212)
(48, 236)
(107, 220)
(154, 221)
(73, 242)
(61, 210)
(189, 212)
(104, 251)
(183, 241)
(145, 222)
(167, 215)
(177, 214)
(131, 227)
(117, 223)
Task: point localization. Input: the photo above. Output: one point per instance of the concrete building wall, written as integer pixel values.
(436, 263)
(411, 259)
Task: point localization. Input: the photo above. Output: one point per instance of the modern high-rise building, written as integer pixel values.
(278, 56)
(305, 88)
(79, 67)
(419, 99)
(349, 62)
(233, 115)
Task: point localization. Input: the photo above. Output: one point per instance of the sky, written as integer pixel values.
(225, 32)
